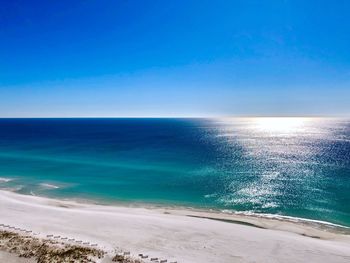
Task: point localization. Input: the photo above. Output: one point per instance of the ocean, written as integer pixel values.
(293, 167)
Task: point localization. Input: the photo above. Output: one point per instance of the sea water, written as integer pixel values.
(297, 167)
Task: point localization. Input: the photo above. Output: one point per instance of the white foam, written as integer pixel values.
(50, 186)
(210, 195)
(13, 189)
(5, 180)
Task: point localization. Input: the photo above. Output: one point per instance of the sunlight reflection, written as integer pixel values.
(286, 125)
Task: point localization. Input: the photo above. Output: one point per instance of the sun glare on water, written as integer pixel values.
(286, 125)
(270, 126)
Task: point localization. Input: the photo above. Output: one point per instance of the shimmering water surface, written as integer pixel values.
(296, 167)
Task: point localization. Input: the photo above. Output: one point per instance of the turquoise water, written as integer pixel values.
(297, 167)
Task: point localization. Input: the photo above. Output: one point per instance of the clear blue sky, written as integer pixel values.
(174, 58)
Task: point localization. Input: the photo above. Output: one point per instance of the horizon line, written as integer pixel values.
(175, 117)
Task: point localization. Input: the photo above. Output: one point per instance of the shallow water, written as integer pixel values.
(296, 167)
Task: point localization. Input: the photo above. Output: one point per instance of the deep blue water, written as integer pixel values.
(289, 166)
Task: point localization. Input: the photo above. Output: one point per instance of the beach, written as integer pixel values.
(174, 132)
(177, 235)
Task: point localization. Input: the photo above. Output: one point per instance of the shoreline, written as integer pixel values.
(183, 235)
(235, 216)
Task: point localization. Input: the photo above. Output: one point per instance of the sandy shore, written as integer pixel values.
(174, 234)
(12, 258)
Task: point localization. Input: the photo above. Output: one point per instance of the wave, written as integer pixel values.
(210, 196)
(15, 189)
(50, 186)
(5, 179)
(285, 218)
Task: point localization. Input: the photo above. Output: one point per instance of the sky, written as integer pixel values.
(127, 58)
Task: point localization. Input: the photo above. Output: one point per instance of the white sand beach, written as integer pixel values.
(11, 258)
(173, 234)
